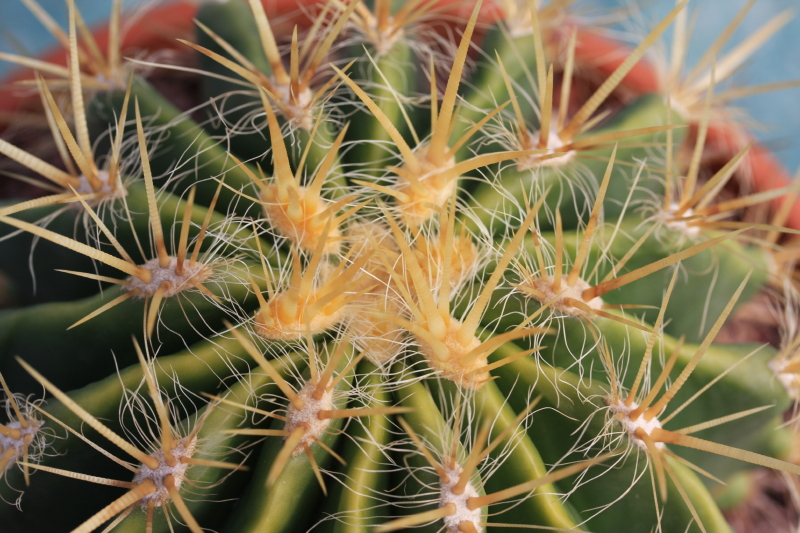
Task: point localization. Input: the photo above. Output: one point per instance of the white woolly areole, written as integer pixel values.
(107, 189)
(196, 273)
(554, 143)
(157, 475)
(298, 105)
(18, 444)
(668, 217)
(545, 286)
(623, 417)
(384, 41)
(308, 417)
(789, 380)
(463, 513)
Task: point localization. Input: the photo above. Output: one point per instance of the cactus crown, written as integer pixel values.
(359, 274)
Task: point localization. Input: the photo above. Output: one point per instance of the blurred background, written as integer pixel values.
(777, 60)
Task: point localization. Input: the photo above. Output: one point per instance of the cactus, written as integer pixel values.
(353, 293)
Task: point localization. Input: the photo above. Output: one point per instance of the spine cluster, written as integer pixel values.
(416, 266)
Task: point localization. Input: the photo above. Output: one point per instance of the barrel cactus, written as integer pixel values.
(403, 265)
